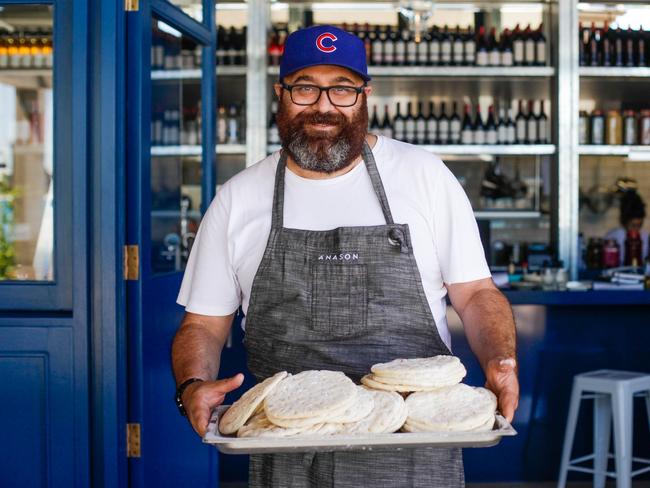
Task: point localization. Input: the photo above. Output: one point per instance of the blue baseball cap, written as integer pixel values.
(323, 44)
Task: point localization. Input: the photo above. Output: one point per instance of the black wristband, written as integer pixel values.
(179, 394)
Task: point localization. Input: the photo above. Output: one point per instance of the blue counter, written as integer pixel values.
(615, 297)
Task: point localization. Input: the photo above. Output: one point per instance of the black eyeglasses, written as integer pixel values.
(338, 95)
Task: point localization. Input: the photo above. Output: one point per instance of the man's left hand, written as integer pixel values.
(501, 379)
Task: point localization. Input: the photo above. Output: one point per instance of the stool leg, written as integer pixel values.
(571, 422)
(622, 403)
(647, 405)
(602, 430)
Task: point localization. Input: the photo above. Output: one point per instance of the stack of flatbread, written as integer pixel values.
(458, 408)
(312, 403)
(438, 401)
(418, 374)
(329, 403)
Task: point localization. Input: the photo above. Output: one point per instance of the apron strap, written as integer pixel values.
(277, 217)
(366, 153)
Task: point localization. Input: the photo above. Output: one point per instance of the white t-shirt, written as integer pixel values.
(421, 192)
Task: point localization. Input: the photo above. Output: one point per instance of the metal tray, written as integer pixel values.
(399, 440)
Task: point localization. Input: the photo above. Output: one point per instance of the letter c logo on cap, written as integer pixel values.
(320, 42)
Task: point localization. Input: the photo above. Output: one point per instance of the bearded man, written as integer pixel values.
(340, 249)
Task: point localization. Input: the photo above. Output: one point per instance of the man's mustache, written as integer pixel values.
(321, 118)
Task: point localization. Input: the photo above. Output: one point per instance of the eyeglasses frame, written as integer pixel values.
(326, 89)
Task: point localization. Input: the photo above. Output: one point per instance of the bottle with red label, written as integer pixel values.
(611, 254)
(633, 248)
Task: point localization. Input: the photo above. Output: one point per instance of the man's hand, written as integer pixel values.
(201, 398)
(501, 376)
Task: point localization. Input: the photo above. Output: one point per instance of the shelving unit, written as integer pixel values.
(613, 73)
(454, 71)
(195, 74)
(560, 81)
(476, 150)
(593, 150)
(196, 150)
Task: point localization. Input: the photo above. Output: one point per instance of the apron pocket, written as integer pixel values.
(339, 299)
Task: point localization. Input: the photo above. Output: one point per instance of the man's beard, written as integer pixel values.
(325, 152)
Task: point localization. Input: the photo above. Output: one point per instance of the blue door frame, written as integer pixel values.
(172, 454)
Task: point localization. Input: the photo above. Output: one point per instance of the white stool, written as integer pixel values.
(612, 391)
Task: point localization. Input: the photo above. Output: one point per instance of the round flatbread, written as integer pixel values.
(433, 367)
(310, 394)
(360, 407)
(388, 415)
(371, 382)
(240, 411)
(454, 408)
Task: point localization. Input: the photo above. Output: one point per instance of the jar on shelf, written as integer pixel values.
(614, 128)
(583, 128)
(644, 128)
(611, 254)
(597, 127)
(629, 128)
(594, 254)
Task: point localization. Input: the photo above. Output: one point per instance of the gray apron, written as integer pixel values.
(342, 299)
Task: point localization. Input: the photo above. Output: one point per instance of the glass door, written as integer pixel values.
(170, 155)
(35, 162)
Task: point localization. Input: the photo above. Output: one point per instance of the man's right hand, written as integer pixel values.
(202, 397)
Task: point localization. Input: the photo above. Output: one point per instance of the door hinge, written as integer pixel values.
(131, 262)
(133, 440)
(131, 5)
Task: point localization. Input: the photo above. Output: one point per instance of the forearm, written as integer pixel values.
(489, 326)
(196, 351)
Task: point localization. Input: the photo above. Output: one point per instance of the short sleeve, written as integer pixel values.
(209, 284)
(458, 243)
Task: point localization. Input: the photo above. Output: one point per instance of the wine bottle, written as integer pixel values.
(506, 48)
(422, 50)
(582, 45)
(455, 126)
(469, 47)
(479, 127)
(445, 47)
(520, 124)
(443, 125)
(529, 47)
(594, 46)
(629, 48)
(434, 47)
(532, 136)
(467, 129)
(420, 126)
(377, 47)
(374, 120)
(491, 136)
(607, 45)
(409, 125)
(618, 47)
(389, 47)
(481, 48)
(540, 46)
(518, 48)
(399, 125)
(431, 126)
(386, 125)
(502, 127)
(400, 48)
(511, 133)
(273, 135)
(542, 125)
(641, 59)
(494, 55)
(458, 48)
